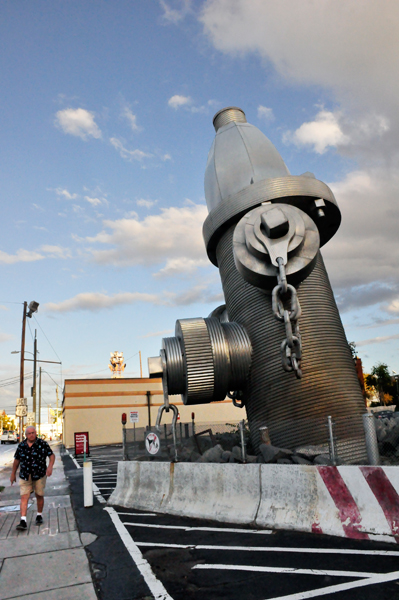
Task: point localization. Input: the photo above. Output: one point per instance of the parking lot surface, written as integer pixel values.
(195, 559)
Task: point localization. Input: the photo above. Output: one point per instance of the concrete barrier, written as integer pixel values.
(354, 502)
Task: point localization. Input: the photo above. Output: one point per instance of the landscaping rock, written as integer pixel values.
(322, 459)
(299, 460)
(284, 461)
(226, 456)
(271, 454)
(213, 455)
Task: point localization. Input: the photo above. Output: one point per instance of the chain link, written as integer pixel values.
(284, 295)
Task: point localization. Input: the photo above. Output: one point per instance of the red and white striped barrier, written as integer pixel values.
(354, 502)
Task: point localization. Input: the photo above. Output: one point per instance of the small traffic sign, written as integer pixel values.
(134, 416)
(152, 443)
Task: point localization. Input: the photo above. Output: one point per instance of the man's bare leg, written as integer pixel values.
(40, 503)
(24, 505)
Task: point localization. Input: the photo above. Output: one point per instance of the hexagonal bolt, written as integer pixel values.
(274, 223)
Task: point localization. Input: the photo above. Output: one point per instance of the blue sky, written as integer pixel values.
(105, 124)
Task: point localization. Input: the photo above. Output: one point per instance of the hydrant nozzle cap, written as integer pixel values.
(227, 115)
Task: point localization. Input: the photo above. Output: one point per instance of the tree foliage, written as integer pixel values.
(6, 422)
(382, 382)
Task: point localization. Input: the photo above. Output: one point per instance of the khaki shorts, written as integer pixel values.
(27, 487)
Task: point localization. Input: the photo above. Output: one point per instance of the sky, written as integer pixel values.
(105, 125)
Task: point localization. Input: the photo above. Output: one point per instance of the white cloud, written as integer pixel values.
(344, 45)
(63, 193)
(77, 208)
(321, 133)
(93, 201)
(362, 259)
(175, 15)
(158, 333)
(129, 155)
(37, 207)
(95, 301)
(165, 157)
(145, 203)
(56, 251)
(378, 340)
(179, 101)
(264, 113)
(5, 337)
(172, 234)
(181, 266)
(20, 256)
(131, 118)
(78, 122)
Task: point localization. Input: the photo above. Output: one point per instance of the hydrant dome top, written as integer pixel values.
(240, 156)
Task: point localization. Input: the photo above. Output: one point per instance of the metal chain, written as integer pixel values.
(291, 347)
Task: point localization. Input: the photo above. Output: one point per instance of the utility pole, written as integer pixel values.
(34, 374)
(141, 366)
(21, 377)
(56, 423)
(40, 398)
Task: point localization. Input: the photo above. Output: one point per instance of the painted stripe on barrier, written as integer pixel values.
(386, 495)
(373, 519)
(343, 499)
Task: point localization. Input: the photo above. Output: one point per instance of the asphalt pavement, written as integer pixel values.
(142, 555)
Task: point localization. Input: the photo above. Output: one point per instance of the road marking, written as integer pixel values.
(156, 587)
(220, 529)
(332, 589)
(286, 570)
(73, 459)
(138, 514)
(273, 549)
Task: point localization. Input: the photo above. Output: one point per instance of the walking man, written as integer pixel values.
(31, 457)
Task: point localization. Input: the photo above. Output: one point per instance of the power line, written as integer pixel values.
(41, 329)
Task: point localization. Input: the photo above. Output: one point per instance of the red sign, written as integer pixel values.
(82, 443)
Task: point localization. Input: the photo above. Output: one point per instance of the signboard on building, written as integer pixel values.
(134, 416)
(82, 443)
(152, 443)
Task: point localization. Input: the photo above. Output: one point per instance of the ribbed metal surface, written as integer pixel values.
(299, 191)
(240, 354)
(227, 115)
(175, 365)
(295, 411)
(198, 357)
(221, 357)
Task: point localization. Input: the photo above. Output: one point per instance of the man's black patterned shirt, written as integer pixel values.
(33, 459)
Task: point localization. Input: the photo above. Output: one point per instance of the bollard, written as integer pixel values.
(264, 435)
(186, 431)
(181, 431)
(124, 443)
(373, 453)
(88, 484)
(333, 451)
(165, 432)
(243, 449)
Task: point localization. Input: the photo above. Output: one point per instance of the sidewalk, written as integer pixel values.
(47, 562)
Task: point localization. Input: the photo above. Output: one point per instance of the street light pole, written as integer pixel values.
(21, 377)
(34, 375)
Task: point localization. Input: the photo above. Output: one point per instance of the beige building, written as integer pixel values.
(96, 406)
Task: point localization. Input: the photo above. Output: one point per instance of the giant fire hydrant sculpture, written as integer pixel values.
(277, 347)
